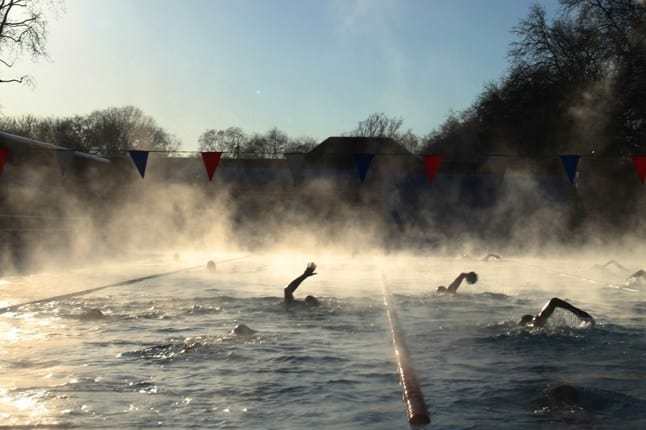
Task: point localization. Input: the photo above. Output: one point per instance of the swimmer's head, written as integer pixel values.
(242, 330)
(563, 394)
(526, 320)
(472, 277)
(311, 301)
(210, 266)
(441, 290)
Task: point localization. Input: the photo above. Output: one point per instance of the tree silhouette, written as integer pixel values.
(23, 31)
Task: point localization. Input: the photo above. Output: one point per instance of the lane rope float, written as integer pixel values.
(416, 410)
(13, 308)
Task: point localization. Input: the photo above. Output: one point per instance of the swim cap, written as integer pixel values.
(242, 330)
(563, 394)
(526, 319)
(472, 277)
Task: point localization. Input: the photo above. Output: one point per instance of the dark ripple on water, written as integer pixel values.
(196, 348)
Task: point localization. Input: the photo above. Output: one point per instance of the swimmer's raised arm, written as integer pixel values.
(453, 286)
(289, 290)
(471, 278)
(542, 317)
(614, 263)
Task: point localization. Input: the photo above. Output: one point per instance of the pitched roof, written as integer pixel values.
(17, 143)
(346, 146)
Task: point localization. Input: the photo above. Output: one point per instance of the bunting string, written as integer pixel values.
(362, 161)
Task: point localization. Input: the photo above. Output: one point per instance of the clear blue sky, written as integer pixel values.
(309, 67)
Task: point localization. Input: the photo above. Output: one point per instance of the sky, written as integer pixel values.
(310, 67)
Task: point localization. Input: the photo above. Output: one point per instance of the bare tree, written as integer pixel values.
(301, 144)
(234, 140)
(114, 130)
(211, 140)
(566, 48)
(277, 141)
(409, 140)
(23, 30)
(231, 141)
(378, 125)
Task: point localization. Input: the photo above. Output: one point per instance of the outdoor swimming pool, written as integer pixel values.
(159, 353)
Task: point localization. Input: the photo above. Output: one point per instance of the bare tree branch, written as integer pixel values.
(23, 31)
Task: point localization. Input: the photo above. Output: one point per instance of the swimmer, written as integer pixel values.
(289, 290)
(617, 265)
(242, 330)
(541, 318)
(562, 395)
(490, 257)
(611, 263)
(636, 280)
(210, 266)
(471, 277)
(92, 314)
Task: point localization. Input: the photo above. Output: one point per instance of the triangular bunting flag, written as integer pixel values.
(4, 154)
(296, 164)
(570, 163)
(432, 165)
(640, 166)
(140, 159)
(211, 161)
(64, 159)
(362, 161)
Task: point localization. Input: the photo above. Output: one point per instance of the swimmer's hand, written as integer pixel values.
(309, 271)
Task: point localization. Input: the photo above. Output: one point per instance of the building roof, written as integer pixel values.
(18, 143)
(347, 146)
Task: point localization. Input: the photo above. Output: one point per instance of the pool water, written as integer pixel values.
(160, 353)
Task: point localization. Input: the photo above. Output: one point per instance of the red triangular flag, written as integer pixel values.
(432, 165)
(4, 154)
(640, 166)
(211, 161)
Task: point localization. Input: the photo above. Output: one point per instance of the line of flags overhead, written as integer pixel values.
(296, 163)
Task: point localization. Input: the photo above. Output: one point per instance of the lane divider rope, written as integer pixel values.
(13, 308)
(416, 410)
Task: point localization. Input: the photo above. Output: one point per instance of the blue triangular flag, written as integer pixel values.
(140, 159)
(65, 160)
(569, 163)
(362, 161)
(296, 164)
